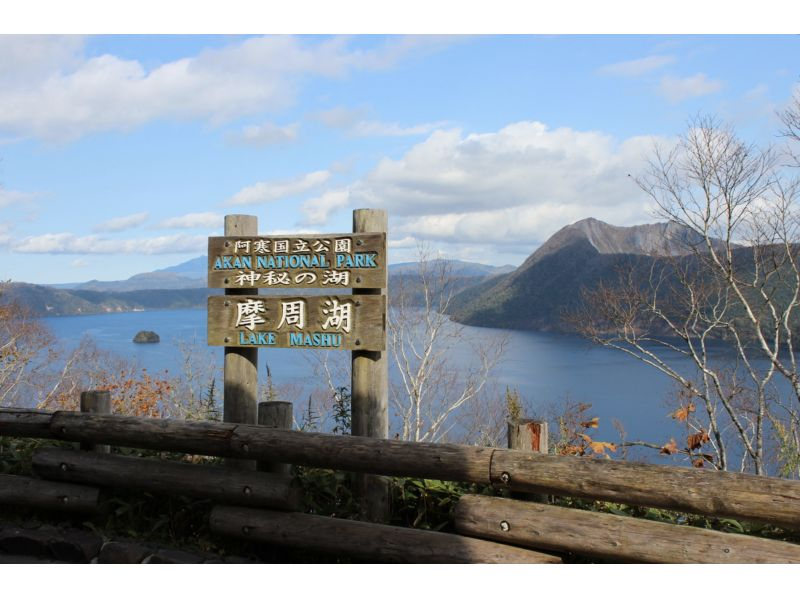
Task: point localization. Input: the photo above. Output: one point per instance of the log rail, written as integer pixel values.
(719, 494)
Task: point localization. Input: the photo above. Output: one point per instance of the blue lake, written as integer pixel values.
(546, 369)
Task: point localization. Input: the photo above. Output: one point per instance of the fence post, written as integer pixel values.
(99, 403)
(241, 364)
(275, 414)
(528, 435)
(370, 387)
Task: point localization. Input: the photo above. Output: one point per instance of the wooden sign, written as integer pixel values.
(352, 322)
(348, 260)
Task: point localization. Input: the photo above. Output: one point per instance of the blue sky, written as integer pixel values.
(121, 154)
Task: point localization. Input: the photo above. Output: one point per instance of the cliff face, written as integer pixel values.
(551, 279)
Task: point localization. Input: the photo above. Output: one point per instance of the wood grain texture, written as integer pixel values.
(152, 475)
(721, 494)
(23, 491)
(363, 276)
(98, 402)
(611, 537)
(528, 435)
(366, 321)
(369, 384)
(350, 453)
(28, 423)
(276, 415)
(240, 367)
(371, 541)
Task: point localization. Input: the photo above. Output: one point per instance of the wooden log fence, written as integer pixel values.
(491, 520)
(371, 541)
(221, 484)
(719, 494)
(23, 491)
(611, 537)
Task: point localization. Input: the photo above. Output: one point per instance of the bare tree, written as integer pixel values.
(737, 282)
(433, 388)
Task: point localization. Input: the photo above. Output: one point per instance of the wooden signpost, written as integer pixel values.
(242, 321)
(316, 322)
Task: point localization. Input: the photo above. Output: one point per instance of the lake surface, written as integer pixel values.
(545, 368)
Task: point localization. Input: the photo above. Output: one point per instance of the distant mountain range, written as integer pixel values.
(183, 286)
(549, 283)
(533, 296)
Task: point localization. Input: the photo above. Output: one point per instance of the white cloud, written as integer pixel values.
(5, 233)
(267, 191)
(677, 89)
(10, 198)
(340, 117)
(265, 134)
(68, 95)
(29, 58)
(355, 123)
(67, 243)
(79, 263)
(371, 128)
(194, 220)
(122, 223)
(319, 209)
(635, 68)
(408, 242)
(517, 185)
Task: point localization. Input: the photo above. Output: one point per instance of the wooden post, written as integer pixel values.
(278, 415)
(98, 402)
(370, 387)
(241, 364)
(528, 435)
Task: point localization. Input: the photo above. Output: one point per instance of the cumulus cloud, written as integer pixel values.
(267, 191)
(635, 68)
(676, 89)
(319, 209)
(9, 197)
(194, 220)
(517, 185)
(65, 94)
(115, 225)
(354, 122)
(265, 134)
(68, 243)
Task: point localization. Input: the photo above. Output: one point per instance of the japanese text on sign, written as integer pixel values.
(331, 261)
(327, 322)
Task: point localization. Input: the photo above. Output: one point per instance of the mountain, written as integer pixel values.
(48, 301)
(185, 286)
(187, 275)
(551, 280)
(192, 274)
(194, 268)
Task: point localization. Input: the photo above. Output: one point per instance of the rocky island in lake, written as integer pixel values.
(146, 336)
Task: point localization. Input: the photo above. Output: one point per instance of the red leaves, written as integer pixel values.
(670, 448)
(695, 441)
(682, 414)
